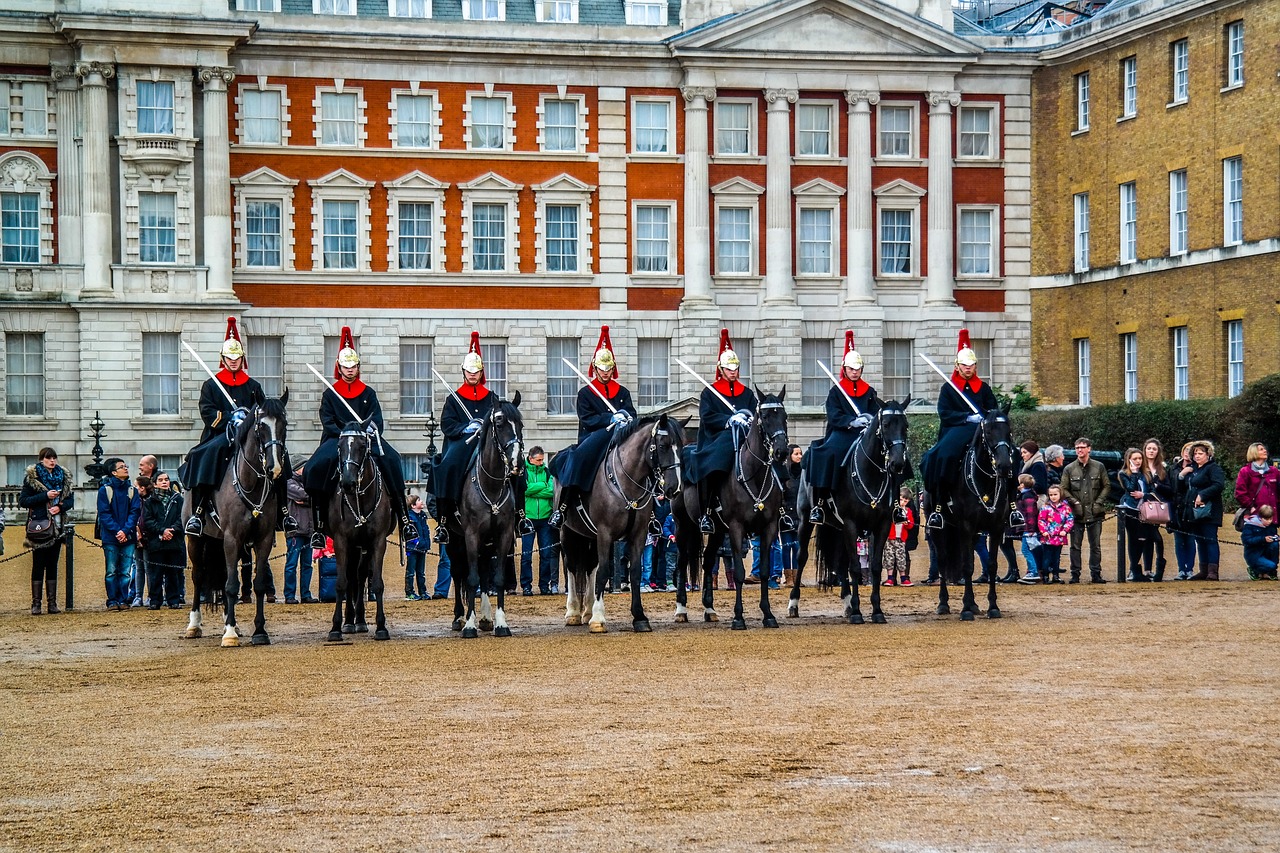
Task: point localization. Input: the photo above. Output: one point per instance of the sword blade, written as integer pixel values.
(212, 376)
(709, 386)
(589, 384)
(836, 382)
(329, 385)
(946, 378)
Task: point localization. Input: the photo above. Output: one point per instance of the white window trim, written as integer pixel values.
(818, 194)
(1174, 249)
(1125, 112)
(670, 153)
(914, 124)
(672, 236)
(436, 121)
(1235, 368)
(340, 185)
(183, 101)
(275, 6)
(1230, 82)
(21, 172)
(833, 130)
(994, 248)
(1180, 344)
(631, 20)
(492, 189)
(1227, 238)
(994, 108)
(753, 132)
(51, 111)
(362, 114)
(391, 4)
(898, 195)
(263, 86)
(415, 187)
(563, 190)
(583, 124)
(539, 12)
(1080, 238)
(466, 12)
(184, 212)
(315, 9)
(1120, 220)
(1084, 372)
(1175, 100)
(1126, 340)
(509, 122)
(738, 193)
(264, 185)
(1086, 102)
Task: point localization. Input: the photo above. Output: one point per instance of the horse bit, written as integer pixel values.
(656, 470)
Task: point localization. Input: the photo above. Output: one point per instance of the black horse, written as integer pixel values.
(360, 516)
(485, 535)
(750, 501)
(865, 499)
(247, 509)
(643, 457)
(980, 501)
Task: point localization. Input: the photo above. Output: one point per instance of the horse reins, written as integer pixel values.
(972, 469)
(255, 507)
(374, 481)
(769, 442)
(854, 472)
(507, 493)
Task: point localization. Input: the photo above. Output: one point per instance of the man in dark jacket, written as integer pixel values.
(1085, 486)
(826, 457)
(119, 508)
(709, 464)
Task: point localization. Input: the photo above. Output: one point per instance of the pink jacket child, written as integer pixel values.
(1055, 522)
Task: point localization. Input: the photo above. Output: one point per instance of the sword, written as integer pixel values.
(329, 385)
(456, 399)
(590, 385)
(836, 383)
(200, 360)
(710, 387)
(947, 378)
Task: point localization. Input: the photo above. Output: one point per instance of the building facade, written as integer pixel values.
(417, 170)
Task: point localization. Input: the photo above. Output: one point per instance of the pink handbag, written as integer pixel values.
(1153, 512)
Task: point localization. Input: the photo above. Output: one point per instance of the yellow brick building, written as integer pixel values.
(1156, 203)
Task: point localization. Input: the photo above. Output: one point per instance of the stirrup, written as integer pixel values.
(816, 515)
(441, 536)
(288, 523)
(408, 531)
(317, 539)
(1017, 519)
(524, 526)
(706, 525)
(786, 524)
(194, 525)
(557, 519)
(654, 527)
(935, 521)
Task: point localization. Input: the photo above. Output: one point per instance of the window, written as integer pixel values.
(338, 123)
(898, 364)
(334, 7)
(1128, 223)
(488, 123)
(653, 374)
(1178, 212)
(1083, 370)
(1129, 353)
(414, 466)
(160, 376)
(490, 231)
(742, 346)
(984, 349)
(813, 382)
(416, 222)
(415, 120)
(1235, 54)
(20, 228)
(415, 378)
(733, 127)
(1082, 101)
(653, 239)
(16, 469)
(157, 228)
(652, 127)
(1082, 231)
(1232, 201)
(1235, 357)
(562, 383)
(813, 130)
(155, 107)
(483, 10)
(338, 235)
(560, 125)
(258, 5)
(976, 132)
(562, 238)
(1181, 365)
(1129, 87)
(24, 373)
(489, 237)
(409, 8)
(644, 13)
(977, 242)
(895, 124)
(733, 240)
(495, 367)
(816, 241)
(558, 11)
(895, 242)
(24, 108)
(1180, 60)
(266, 354)
(260, 116)
(262, 233)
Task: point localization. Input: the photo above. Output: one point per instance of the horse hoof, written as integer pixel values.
(994, 613)
(362, 627)
(966, 616)
(942, 610)
(710, 617)
(770, 622)
(573, 620)
(348, 628)
(793, 612)
(230, 642)
(503, 631)
(457, 624)
(485, 624)
(641, 626)
(856, 619)
(738, 624)
(335, 636)
(382, 634)
(470, 633)
(878, 618)
(193, 634)
(598, 628)
(682, 617)
(260, 640)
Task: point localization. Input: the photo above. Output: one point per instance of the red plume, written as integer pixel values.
(344, 341)
(724, 345)
(233, 332)
(603, 343)
(475, 343)
(956, 378)
(964, 341)
(848, 342)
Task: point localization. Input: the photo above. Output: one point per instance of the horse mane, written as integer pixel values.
(512, 413)
(272, 407)
(623, 432)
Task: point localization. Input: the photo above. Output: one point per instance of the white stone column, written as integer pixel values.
(697, 218)
(860, 236)
(940, 283)
(779, 278)
(97, 170)
(216, 213)
(69, 177)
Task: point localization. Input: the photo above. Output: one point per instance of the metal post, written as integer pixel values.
(70, 596)
(1121, 571)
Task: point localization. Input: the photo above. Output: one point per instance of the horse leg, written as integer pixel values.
(709, 557)
(361, 588)
(739, 576)
(793, 602)
(505, 546)
(573, 597)
(635, 549)
(378, 588)
(945, 560)
(455, 559)
(230, 591)
(493, 575)
(262, 580)
(681, 579)
(993, 611)
(851, 578)
(604, 569)
(587, 583)
(876, 544)
(970, 608)
(469, 631)
(197, 576)
(766, 553)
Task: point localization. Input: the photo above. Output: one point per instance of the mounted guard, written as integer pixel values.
(851, 404)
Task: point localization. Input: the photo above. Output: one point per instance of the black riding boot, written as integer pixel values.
(818, 514)
(568, 498)
(524, 526)
(287, 522)
(705, 523)
(317, 520)
(195, 524)
(444, 508)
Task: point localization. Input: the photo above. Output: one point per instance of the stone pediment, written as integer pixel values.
(830, 28)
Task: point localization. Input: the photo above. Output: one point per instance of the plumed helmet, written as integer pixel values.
(232, 347)
(852, 358)
(603, 359)
(347, 355)
(728, 359)
(964, 350)
(472, 362)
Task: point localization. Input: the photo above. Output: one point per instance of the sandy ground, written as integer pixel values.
(1135, 717)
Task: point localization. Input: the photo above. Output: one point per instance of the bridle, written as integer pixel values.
(769, 442)
(255, 497)
(859, 449)
(510, 452)
(973, 467)
(346, 450)
(658, 438)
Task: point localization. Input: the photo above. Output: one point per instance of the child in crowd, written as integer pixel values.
(1261, 544)
(328, 564)
(1029, 506)
(895, 548)
(415, 566)
(864, 561)
(1055, 524)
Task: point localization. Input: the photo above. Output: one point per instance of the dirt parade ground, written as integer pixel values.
(1135, 717)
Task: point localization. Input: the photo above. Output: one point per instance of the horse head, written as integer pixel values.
(264, 433)
(997, 438)
(891, 428)
(771, 420)
(506, 429)
(354, 449)
(666, 441)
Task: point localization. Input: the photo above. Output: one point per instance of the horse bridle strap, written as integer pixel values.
(374, 481)
(972, 469)
(255, 505)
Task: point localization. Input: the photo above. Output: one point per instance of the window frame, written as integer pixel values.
(1233, 59)
(1179, 71)
(495, 355)
(1179, 214)
(171, 111)
(669, 130)
(1128, 87)
(1081, 81)
(433, 121)
(1084, 372)
(317, 7)
(580, 125)
(24, 230)
(891, 361)
(832, 211)
(1081, 217)
(426, 13)
(282, 116)
(832, 133)
(1128, 222)
(157, 229)
(273, 383)
(540, 11)
(638, 205)
(752, 107)
(169, 354)
(17, 348)
(1179, 340)
(1233, 200)
(1234, 337)
(264, 185)
(562, 383)
(993, 243)
(499, 5)
(633, 5)
(1129, 365)
(652, 389)
(242, 6)
(9, 128)
(992, 109)
(360, 120)
(340, 185)
(913, 130)
(813, 382)
(750, 210)
(508, 120)
(420, 405)
(415, 188)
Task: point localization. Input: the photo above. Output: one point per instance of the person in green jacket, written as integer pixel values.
(539, 491)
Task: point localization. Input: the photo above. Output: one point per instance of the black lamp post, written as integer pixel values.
(95, 469)
(432, 428)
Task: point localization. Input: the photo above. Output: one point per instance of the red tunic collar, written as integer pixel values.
(348, 390)
(233, 380)
(736, 389)
(473, 392)
(854, 389)
(609, 388)
(974, 384)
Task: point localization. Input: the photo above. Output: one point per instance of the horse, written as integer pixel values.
(978, 504)
(247, 506)
(360, 516)
(482, 534)
(865, 502)
(643, 457)
(751, 501)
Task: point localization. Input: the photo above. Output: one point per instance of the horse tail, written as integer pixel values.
(830, 547)
(205, 576)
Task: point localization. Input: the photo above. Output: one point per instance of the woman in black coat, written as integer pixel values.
(47, 495)
(1202, 507)
(164, 542)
